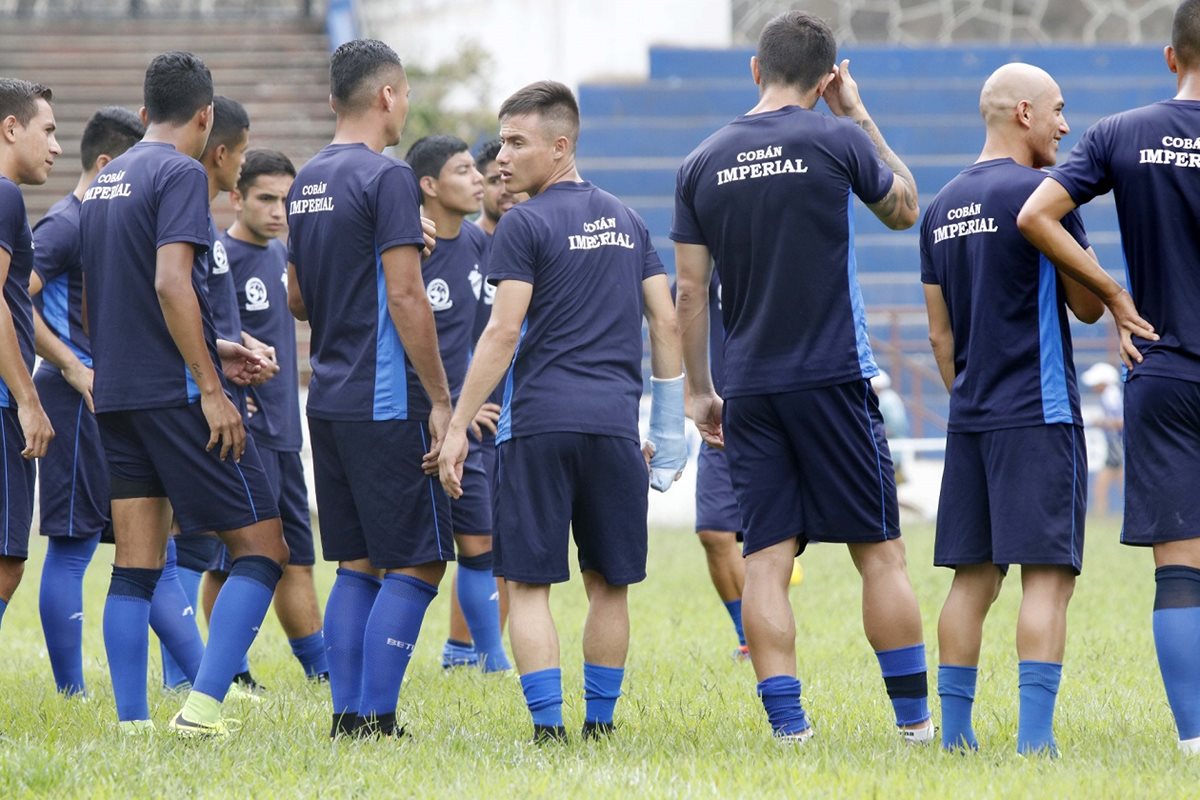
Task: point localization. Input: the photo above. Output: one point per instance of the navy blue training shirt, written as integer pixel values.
(771, 197)
(150, 196)
(1150, 159)
(485, 292)
(347, 206)
(17, 240)
(260, 276)
(1013, 361)
(56, 261)
(222, 294)
(578, 364)
(452, 275)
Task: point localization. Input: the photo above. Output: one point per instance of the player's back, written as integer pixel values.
(1150, 158)
(771, 196)
(347, 206)
(454, 283)
(149, 197)
(57, 262)
(1012, 344)
(578, 363)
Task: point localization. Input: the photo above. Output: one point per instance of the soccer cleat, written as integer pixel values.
(459, 654)
(922, 735)
(1190, 747)
(344, 725)
(136, 727)
(799, 737)
(382, 726)
(797, 574)
(741, 653)
(549, 734)
(320, 679)
(597, 730)
(247, 682)
(203, 730)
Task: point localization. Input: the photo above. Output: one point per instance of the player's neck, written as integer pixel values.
(567, 173)
(775, 97)
(8, 166)
(486, 223)
(1188, 85)
(176, 136)
(213, 188)
(243, 234)
(358, 130)
(449, 223)
(85, 180)
(995, 146)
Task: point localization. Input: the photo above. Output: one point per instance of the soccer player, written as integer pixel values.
(378, 400)
(1014, 487)
(1149, 158)
(27, 152)
(1105, 381)
(451, 188)
(497, 199)
(172, 436)
(258, 264)
(769, 198)
(574, 272)
(74, 491)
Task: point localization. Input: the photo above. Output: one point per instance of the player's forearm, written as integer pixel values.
(493, 356)
(904, 176)
(1047, 234)
(181, 311)
(943, 354)
(13, 371)
(413, 319)
(666, 356)
(691, 309)
(47, 345)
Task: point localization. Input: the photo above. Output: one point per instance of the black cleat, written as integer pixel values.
(320, 679)
(379, 726)
(597, 730)
(549, 734)
(344, 725)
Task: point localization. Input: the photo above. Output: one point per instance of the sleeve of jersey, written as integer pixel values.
(183, 208)
(397, 209)
(1073, 222)
(651, 265)
(870, 178)
(1085, 173)
(685, 228)
(513, 249)
(12, 215)
(928, 273)
(55, 241)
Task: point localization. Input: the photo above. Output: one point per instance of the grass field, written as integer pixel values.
(689, 723)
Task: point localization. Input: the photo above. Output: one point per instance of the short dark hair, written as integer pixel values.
(429, 154)
(551, 100)
(355, 63)
(1185, 33)
(796, 49)
(177, 85)
(229, 120)
(19, 98)
(261, 162)
(487, 154)
(110, 132)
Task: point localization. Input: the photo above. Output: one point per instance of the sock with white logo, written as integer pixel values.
(60, 602)
(388, 641)
(239, 610)
(173, 620)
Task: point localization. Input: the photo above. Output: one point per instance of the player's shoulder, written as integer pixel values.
(474, 236)
(60, 218)
(277, 249)
(11, 198)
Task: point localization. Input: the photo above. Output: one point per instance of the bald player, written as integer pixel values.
(1015, 482)
(1150, 159)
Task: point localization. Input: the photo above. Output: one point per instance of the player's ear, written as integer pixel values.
(204, 118)
(144, 116)
(235, 199)
(823, 84)
(102, 161)
(8, 127)
(1024, 114)
(754, 71)
(1172, 61)
(428, 186)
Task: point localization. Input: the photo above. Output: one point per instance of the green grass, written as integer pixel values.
(690, 724)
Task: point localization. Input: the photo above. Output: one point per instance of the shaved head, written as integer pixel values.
(1008, 86)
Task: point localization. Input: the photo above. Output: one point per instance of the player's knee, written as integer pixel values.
(11, 570)
(717, 542)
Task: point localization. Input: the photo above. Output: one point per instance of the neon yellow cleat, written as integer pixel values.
(797, 574)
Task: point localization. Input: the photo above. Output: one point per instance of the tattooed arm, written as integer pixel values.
(898, 209)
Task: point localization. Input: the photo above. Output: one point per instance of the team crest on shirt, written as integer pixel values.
(438, 292)
(256, 295)
(219, 258)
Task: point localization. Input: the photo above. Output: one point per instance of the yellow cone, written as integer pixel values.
(797, 574)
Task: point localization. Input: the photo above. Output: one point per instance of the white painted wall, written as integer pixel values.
(565, 40)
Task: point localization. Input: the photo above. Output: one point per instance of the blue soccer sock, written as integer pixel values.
(781, 700)
(346, 613)
(173, 619)
(481, 608)
(389, 639)
(189, 579)
(60, 603)
(1038, 682)
(236, 616)
(543, 696)
(956, 687)
(127, 638)
(907, 686)
(310, 652)
(734, 607)
(601, 688)
(3, 608)
(1177, 641)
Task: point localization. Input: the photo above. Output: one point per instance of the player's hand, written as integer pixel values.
(666, 443)
(487, 418)
(841, 95)
(36, 427)
(450, 462)
(251, 405)
(1130, 324)
(439, 423)
(429, 230)
(81, 377)
(240, 364)
(706, 413)
(267, 353)
(224, 425)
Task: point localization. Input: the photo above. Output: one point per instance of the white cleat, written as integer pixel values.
(136, 727)
(1190, 747)
(919, 736)
(795, 738)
